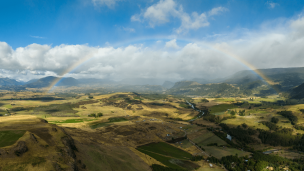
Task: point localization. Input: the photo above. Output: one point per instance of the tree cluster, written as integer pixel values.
(274, 120)
(156, 167)
(270, 125)
(257, 162)
(243, 135)
(299, 127)
(281, 137)
(95, 115)
(288, 114)
(196, 158)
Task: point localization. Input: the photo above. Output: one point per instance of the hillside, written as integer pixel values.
(47, 81)
(287, 78)
(168, 84)
(194, 88)
(183, 84)
(9, 82)
(298, 92)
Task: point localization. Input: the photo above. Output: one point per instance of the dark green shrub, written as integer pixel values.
(274, 120)
(92, 115)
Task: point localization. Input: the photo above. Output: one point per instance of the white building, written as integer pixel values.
(229, 137)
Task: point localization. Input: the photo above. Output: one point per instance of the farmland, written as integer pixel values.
(158, 128)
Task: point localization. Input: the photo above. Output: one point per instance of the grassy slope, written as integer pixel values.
(8, 138)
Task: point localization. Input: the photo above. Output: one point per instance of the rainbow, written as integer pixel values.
(219, 50)
(69, 70)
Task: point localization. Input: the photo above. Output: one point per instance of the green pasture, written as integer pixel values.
(8, 106)
(185, 144)
(220, 152)
(8, 138)
(117, 119)
(166, 149)
(208, 138)
(225, 100)
(221, 108)
(98, 125)
(67, 121)
(111, 120)
(70, 121)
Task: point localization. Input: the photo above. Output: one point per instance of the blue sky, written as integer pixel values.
(40, 38)
(81, 21)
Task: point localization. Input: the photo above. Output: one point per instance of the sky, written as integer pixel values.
(160, 39)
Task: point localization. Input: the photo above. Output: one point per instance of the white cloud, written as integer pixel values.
(172, 44)
(109, 3)
(271, 4)
(38, 37)
(195, 22)
(267, 48)
(132, 30)
(164, 10)
(136, 17)
(160, 12)
(217, 10)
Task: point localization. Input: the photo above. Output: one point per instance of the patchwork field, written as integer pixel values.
(133, 130)
(168, 155)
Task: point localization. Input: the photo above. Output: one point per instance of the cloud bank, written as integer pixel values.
(266, 48)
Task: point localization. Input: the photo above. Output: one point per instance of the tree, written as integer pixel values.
(92, 115)
(274, 120)
(242, 112)
(232, 112)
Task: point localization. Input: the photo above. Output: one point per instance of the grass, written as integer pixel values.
(98, 125)
(207, 168)
(221, 108)
(164, 160)
(184, 105)
(137, 98)
(220, 152)
(117, 119)
(166, 149)
(225, 100)
(185, 144)
(54, 108)
(36, 161)
(208, 138)
(111, 120)
(67, 121)
(8, 138)
(213, 139)
(8, 106)
(251, 121)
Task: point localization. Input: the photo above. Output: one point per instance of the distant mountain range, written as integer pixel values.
(9, 82)
(168, 84)
(287, 78)
(241, 83)
(47, 81)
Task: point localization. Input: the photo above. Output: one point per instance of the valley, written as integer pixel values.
(95, 131)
